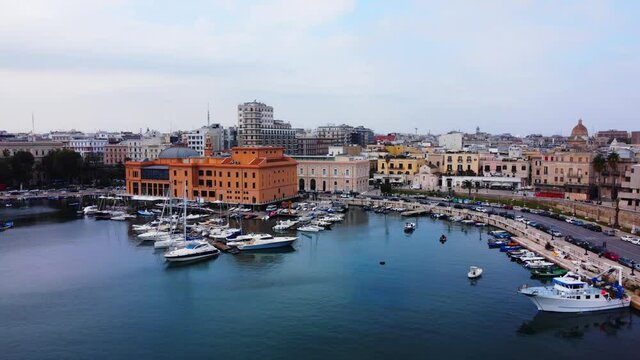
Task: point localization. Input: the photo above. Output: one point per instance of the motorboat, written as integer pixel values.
(284, 225)
(322, 223)
(90, 210)
(443, 238)
(548, 272)
(145, 213)
(310, 228)
(409, 227)
(176, 241)
(247, 237)
(474, 272)
(154, 235)
(538, 264)
(570, 294)
(196, 250)
(265, 242)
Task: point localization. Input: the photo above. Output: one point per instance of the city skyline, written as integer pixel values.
(520, 68)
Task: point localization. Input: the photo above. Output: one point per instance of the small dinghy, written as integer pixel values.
(474, 272)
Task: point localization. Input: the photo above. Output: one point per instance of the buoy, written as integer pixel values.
(382, 262)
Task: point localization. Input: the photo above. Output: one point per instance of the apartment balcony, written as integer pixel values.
(628, 196)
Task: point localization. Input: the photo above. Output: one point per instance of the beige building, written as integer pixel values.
(494, 165)
(38, 149)
(565, 172)
(332, 173)
(399, 165)
(460, 163)
(629, 194)
(428, 178)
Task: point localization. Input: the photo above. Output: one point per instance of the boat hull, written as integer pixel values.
(552, 303)
(192, 257)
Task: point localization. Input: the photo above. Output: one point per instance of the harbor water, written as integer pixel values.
(76, 288)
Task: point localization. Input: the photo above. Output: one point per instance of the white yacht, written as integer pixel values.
(570, 294)
(195, 250)
(263, 241)
(474, 272)
(537, 264)
(409, 227)
(285, 224)
(90, 210)
(154, 235)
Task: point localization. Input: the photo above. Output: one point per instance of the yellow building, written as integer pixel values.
(460, 164)
(399, 165)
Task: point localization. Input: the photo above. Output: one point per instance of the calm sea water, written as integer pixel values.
(79, 288)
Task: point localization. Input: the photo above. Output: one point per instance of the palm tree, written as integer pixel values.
(612, 160)
(467, 184)
(599, 166)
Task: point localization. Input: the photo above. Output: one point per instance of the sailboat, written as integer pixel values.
(193, 250)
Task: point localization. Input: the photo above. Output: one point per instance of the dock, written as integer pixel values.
(415, 212)
(223, 247)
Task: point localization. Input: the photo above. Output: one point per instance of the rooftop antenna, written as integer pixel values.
(208, 116)
(33, 123)
(416, 131)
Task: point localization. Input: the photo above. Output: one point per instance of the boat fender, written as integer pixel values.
(603, 293)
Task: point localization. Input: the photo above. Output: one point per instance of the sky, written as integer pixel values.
(394, 66)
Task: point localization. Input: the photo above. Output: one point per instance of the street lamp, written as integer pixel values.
(633, 267)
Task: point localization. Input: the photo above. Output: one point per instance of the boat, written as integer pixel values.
(310, 228)
(538, 264)
(443, 238)
(474, 272)
(496, 243)
(154, 235)
(468, 222)
(570, 294)
(145, 213)
(506, 248)
(284, 224)
(548, 272)
(196, 250)
(90, 210)
(6, 225)
(265, 242)
(409, 227)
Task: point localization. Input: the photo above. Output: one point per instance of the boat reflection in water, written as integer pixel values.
(265, 256)
(575, 325)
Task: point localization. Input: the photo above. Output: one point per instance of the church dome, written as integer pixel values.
(579, 131)
(177, 152)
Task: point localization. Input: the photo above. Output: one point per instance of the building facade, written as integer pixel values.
(493, 165)
(333, 173)
(567, 172)
(197, 139)
(87, 146)
(451, 141)
(38, 149)
(115, 154)
(251, 176)
(629, 195)
(460, 163)
(257, 127)
(312, 146)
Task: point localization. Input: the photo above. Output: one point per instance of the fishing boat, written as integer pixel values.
(310, 228)
(196, 250)
(264, 242)
(474, 272)
(570, 294)
(548, 272)
(409, 227)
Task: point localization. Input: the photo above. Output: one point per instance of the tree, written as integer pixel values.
(612, 160)
(385, 188)
(22, 166)
(5, 171)
(599, 166)
(467, 184)
(62, 165)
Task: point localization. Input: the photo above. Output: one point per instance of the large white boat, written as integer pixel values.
(154, 235)
(196, 250)
(264, 241)
(285, 224)
(570, 294)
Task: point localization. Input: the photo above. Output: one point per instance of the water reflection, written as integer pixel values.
(575, 326)
(265, 257)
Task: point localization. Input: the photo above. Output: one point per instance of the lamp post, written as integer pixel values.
(633, 266)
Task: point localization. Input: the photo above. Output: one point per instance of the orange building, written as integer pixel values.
(251, 175)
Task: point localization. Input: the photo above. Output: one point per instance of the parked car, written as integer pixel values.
(611, 255)
(625, 261)
(555, 232)
(508, 207)
(609, 232)
(592, 227)
(627, 238)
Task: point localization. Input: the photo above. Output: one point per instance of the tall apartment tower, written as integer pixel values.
(256, 127)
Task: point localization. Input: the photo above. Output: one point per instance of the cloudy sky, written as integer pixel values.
(506, 66)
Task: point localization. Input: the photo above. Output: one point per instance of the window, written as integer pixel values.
(335, 172)
(301, 171)
(208, 172)
(201, 182)
(200, 172)
(346, 172)
(209, 183)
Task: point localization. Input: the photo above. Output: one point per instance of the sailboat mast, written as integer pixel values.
(184, 216)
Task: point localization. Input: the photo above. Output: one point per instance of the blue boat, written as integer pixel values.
(145, 213)
(6, 225)
(505, 248)
(496, 243)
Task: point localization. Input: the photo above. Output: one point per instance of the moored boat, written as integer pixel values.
(474, 272)
(409, 227)
(196, 250)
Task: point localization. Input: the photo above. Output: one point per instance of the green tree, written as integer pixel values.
(385, 188)
(5, 171)
(612, 160)
(22, 166)
(467, 184)
(63, 165)
(599, 166)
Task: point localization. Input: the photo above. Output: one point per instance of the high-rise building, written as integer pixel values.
(197, 138)
(256, 127)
